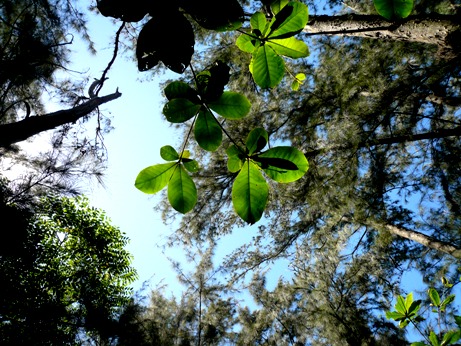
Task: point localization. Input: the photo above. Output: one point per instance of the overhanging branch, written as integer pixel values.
(21, 130)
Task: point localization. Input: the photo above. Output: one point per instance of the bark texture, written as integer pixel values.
(21, 130)
(430, 29)
(425, 240)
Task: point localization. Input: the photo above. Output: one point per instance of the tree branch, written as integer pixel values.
(438, 133)
(21, 130)
(427, 28)
(425, 240)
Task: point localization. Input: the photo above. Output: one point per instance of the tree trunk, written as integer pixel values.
(430, 29)
(21, 130)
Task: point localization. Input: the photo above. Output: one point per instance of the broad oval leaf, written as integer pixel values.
(191, 165)
(168, 153)
(246, 43)
(393, 9)
(293, 19)
(132, 11)
(249, 193)
(267, 67)
(219, 15)
(394, 315)
(179, 89)
(256, 140)
(154, 178)
(434, 339)
(231, 105)
(169, 39)
(282, 162)
(277, 5)
(258, 21)
(290, 47)
(182, 193)
(180, 110)
(234, 162)
(434, 295)
(207, 132)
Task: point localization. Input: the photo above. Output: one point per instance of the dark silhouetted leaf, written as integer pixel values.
(219, 15)
(178, 89)
(169, 39)
(128, 11)
(256, 140)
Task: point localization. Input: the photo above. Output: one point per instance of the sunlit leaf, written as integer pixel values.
(290, 47)
(234, 162)
(400, 305)
(277, 5)
(446, 301)
(258, 21)
(290, 24)
(394, 9)
(284, 164)
(231, 105)
(182, 193)
(246, 43)
(207, 132)
(191, 165)
(249, 193)
(434, 339)
(434, 295)
(168, 153)
(180, 110)
(295, 85)
(394, 315)
(154, 178)
(267, 67)
(256, 140)
(451, 337)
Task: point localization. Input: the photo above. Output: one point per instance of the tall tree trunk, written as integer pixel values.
(21, 130)
(432, 29)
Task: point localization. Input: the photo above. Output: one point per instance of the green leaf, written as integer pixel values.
(291, 24)
(231, 105)
(400, 305)
(208, 133)
(301, 77)
(277, 5)
(182, 192)
(446, 283)
(234, 162)
(250, 193)
(168, 153)
(434, 339)
(256, 140)
(394, 315)
(258, 21)
(414, 308)
(418, 343)
(457, 320)
(154, 178)
(180, 110)
(284, 164)
(191, 165)
(446, 301)
(404, 323)
(290, 47)
(267, 67)
(295, 85)
(246, 43)
(434, 295)
(179, 89)
(451, 337)
(408, 302)
(393, 9)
